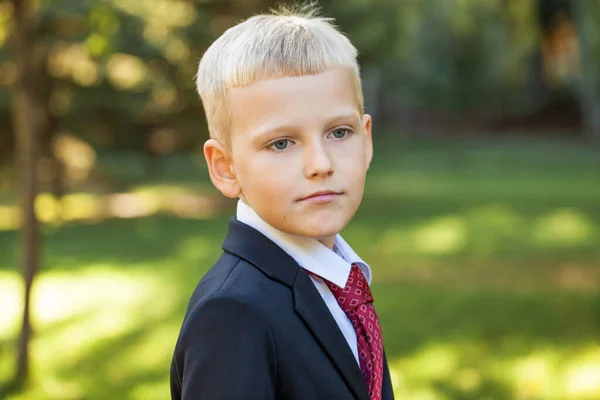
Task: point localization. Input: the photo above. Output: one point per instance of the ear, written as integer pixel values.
(220, 168)
(366, 123)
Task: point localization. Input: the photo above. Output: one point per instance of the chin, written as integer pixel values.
(322, 230)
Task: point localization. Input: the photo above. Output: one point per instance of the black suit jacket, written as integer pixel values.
(257, 328)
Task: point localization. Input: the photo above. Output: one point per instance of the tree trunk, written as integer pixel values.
(586, 16)
(53, 167)
(27, 122)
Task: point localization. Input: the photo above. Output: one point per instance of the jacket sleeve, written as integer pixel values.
(225, 351)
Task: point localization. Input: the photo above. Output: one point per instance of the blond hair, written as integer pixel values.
(286, 43)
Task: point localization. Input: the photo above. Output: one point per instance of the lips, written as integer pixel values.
(321, 196)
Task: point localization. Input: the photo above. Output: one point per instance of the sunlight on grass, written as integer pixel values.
(445, 370)
(76, 207)
(534, 374)
(444, 235)
(151, 352)
(564, 227)
(10, 218)
(10, 304)
(75, 315)
(512, 313)
(150, 390)
(141, 202)
(486, 230)
(583, 375)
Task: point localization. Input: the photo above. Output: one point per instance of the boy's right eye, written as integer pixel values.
(280, 144)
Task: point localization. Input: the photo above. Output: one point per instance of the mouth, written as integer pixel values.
(323, 196)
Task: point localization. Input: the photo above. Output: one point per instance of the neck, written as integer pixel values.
(328, 242)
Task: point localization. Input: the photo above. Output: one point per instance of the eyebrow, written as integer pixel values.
(344, 117)
(335, 119)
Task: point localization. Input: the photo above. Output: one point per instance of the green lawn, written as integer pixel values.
(486, 261)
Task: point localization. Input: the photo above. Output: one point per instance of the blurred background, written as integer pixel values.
(481, 217)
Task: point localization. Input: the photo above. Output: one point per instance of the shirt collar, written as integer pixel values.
(310, 254)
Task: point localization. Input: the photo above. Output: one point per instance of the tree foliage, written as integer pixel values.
(120, 74)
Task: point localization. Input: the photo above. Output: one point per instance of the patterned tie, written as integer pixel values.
(357, 302)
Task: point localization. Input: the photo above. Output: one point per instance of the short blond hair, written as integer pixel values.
(288, 42)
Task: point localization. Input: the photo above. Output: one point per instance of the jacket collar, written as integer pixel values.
(258, 250)
(309, 253)
(251, 245)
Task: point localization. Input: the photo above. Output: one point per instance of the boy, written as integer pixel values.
(286, 312)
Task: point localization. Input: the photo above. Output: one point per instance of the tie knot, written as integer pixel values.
(355, 293)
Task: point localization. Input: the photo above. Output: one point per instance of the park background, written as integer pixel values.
(481, 217)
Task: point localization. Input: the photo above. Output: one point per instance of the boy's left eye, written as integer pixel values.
(340, 133)
(280, 144)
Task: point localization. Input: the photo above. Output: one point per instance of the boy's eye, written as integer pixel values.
(281, 144)
(340, 133)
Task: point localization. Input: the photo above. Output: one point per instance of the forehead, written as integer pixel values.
(301, 100)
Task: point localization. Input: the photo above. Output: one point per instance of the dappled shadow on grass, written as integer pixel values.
(469, 388)
(410, 209)
(108, 305)
(485, 268)
(470, 344)
(480, 319)
(389, 233)
(396, 234)
(124, 366)
(128, 243)
(415, 314)
(8, 384)
(10, 388)
(109, 334)
(91, 207)
(442, 343)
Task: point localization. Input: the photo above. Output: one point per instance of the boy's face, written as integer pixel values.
(299, 152)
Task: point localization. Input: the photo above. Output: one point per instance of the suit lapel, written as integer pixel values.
(251, 245)
(313, 311)
(387, 389)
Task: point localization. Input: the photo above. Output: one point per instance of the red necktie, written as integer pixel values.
(357, 302)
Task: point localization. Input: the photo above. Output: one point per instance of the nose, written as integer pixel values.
(318, 162)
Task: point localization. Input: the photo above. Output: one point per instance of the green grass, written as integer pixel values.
(486, 261)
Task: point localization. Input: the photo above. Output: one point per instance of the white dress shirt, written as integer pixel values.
(317, 258)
